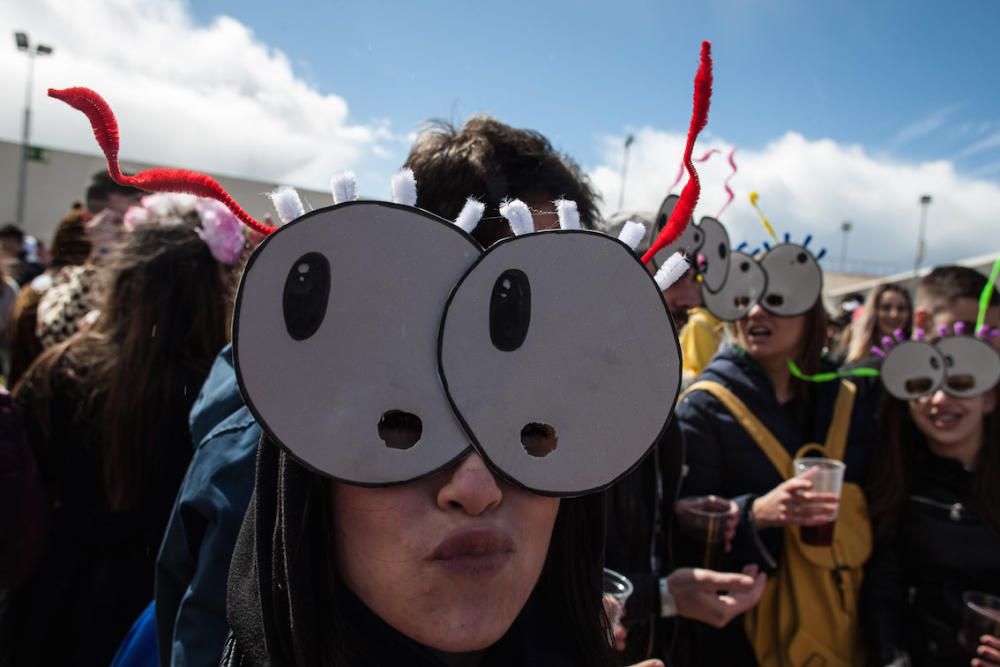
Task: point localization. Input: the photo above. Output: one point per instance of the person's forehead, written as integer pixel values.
(963, 309)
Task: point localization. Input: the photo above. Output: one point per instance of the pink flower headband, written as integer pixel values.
(221, 231)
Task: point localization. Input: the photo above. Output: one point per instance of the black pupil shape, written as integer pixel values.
(697, 237)
(306, 295)
(400, 430)
(510, 310)
(949, 361)
(801, 258)
(723, 251)
(744, 266)
(741, 301)
(935, 364)
(539, 439)
(774, 300)
(917, 386)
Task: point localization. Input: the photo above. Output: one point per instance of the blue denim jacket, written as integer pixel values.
(193, 564)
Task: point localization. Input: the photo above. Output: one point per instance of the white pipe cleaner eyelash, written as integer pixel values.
(518, 215)
(569, 215)
(344, 187)
(287, 203)
(671, 271)
(470, 215)
(632, 233)
(404, 188)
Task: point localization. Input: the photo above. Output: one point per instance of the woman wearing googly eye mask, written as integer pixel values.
(934, 498)
(744, 421)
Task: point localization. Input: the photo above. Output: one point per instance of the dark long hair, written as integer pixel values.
(896, 458)
(568, 590)
(163, 320)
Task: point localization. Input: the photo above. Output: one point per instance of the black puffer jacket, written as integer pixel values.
(918, 572)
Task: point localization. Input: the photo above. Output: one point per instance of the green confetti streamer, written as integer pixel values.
(984, 298)
(830, 376)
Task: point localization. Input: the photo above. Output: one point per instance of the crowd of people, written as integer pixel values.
(154, 510)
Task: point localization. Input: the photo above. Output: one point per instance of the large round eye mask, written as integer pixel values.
(913, 369)
(972, 367)
(335, 340)
(744, 286)
(794, 280)
(583, 377)
(715, 249)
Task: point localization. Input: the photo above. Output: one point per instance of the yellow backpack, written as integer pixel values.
(808, 614)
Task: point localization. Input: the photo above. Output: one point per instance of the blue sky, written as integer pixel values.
(840, 110)
(915, 79)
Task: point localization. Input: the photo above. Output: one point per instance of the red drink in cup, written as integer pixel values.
(827, 478)
(704, 522)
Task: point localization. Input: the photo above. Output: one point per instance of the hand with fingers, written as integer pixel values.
(615, 612)
(791, 503)
(988, 652)
(715, 597)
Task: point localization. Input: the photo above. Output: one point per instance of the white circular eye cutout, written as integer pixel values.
(972, 366)
(716, 251)
(744, 286)
(794, 280)
(335, 340)
(560, 357)
(912, 369)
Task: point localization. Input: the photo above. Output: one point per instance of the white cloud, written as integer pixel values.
(810, 186)
(210, 97)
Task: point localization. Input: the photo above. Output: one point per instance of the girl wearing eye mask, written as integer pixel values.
(935, 505)
(458, 568)
(724, 459)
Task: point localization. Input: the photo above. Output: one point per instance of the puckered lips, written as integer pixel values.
(478, 552)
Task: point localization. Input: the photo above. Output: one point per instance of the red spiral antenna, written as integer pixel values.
(102, 119)
(692, 190)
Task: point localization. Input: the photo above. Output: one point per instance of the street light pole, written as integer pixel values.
(24, 45)
(621, 193)
(925, 202)
(845, 227)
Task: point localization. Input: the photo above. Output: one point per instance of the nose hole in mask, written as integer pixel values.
(400, 430)
(539, 439)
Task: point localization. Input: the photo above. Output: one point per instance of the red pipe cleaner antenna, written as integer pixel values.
(692, 189)
(102, 119)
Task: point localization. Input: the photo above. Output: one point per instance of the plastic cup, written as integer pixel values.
(829, 478)
(703, 523)
(618, 587)
(980, 616)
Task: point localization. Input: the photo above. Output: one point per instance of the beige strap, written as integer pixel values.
(836, 435)
(761, 435)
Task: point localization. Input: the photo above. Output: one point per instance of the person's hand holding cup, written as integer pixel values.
(617, 589)
(809, 499)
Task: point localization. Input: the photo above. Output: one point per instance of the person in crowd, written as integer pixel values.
(934, 502)
(641, 528)
(484, 158)
(14, 258)
(70, 247)
(106, 415)
(8, 296)
(701, 338)
(731, 450)
(839, 329)
(950, 294)
(73, 292)
(888, 309)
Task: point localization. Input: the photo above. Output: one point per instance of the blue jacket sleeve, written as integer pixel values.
(193, 564)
